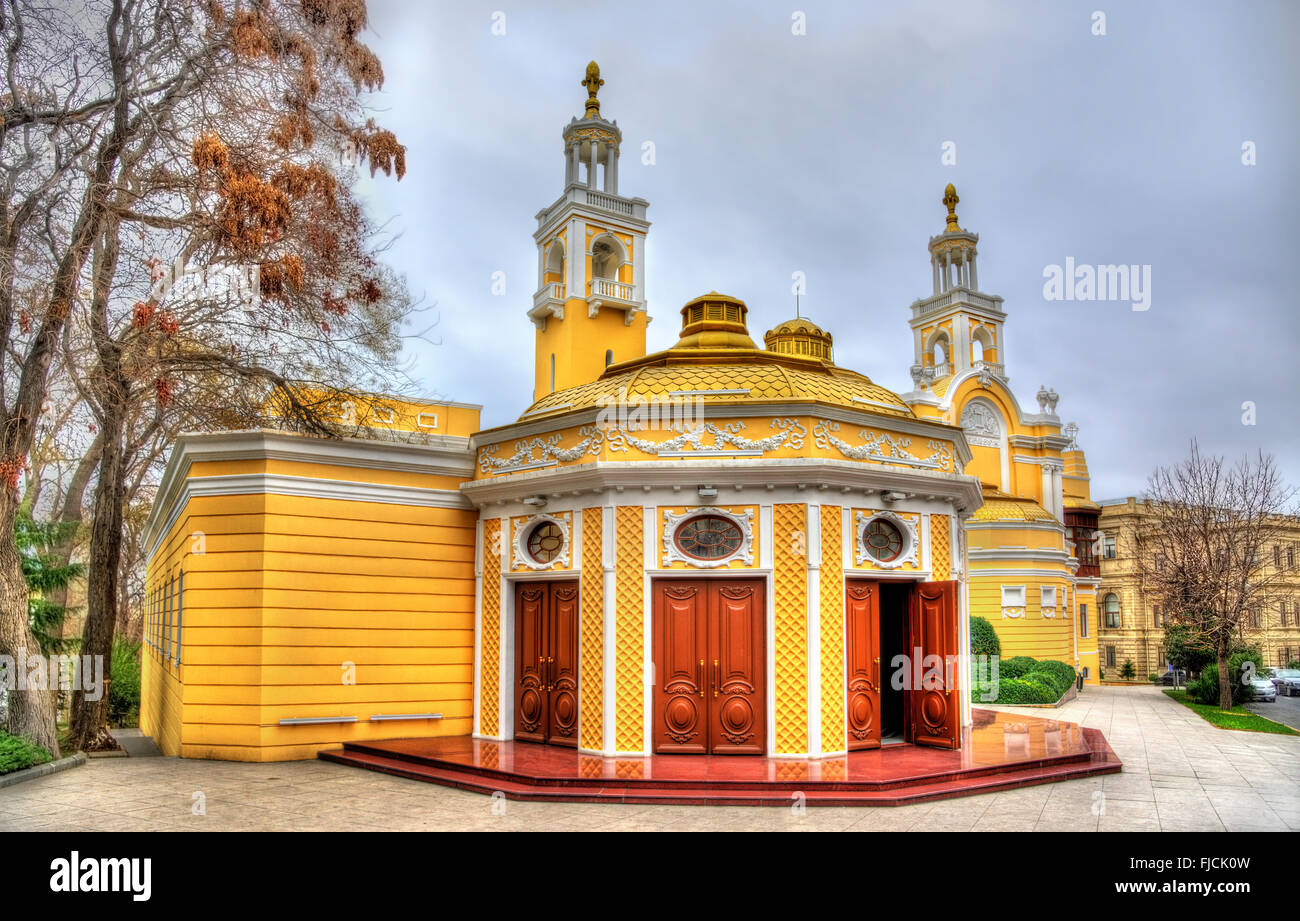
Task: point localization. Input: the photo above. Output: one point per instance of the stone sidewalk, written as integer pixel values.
(1180, 774)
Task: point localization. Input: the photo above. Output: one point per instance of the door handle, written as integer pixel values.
(699, 677)
(550, 669)
(715, 678)
(541, 671)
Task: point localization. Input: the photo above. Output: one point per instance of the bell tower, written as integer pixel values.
(956, 328)
(590, 307)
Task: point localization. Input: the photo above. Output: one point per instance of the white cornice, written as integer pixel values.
(962, 491)
(438, 455)
(1018, 554)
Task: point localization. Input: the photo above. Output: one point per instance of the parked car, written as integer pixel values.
(1168, 678)
(1286, 681)
(1262, 688)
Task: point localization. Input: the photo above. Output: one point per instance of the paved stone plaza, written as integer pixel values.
(1180, 774)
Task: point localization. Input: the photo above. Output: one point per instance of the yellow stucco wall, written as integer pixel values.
(282, 592)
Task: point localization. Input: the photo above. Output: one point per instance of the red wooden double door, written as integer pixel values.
(927, 638)
(709, 693)
(546, 662)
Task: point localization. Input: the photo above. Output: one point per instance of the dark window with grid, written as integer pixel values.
(1110, 655)
(1083, 620)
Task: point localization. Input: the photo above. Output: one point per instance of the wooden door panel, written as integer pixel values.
(737, 699)
(935, 708)
(530, 662)
(680, 639)
(862, 647)
(562, 663)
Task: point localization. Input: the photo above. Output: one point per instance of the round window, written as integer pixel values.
(882, 540)
(709, 537)
(545, 542)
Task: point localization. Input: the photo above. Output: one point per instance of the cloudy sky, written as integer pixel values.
(821, 153)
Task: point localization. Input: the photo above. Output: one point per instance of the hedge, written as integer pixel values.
(1025, 680)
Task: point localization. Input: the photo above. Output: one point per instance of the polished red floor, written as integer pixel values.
(1000, 751)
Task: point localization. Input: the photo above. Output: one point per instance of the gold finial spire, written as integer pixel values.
(950, 199)
(593, 83)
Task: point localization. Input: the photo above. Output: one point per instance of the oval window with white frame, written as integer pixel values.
(708, 537)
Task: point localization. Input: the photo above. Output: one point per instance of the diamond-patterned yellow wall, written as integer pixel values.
(490, 651)
(790, 578)
(629, 622)
(593, 631)
(940, 549)
(832, 630)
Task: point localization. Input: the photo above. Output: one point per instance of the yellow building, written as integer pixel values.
(1132, 627)
(715, 548)
(1031, 571)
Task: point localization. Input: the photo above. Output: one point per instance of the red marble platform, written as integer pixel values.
(1000, 752)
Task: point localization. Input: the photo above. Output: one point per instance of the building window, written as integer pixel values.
(1157, 617)
(1110, 656)
(1277, 556)
(552, 372)
(1086, 672)
(1083, 620)
(1108, 548)
(882, 540)
(709, 537)
(1013, 596)
(609, 357)
(545, 542)
(1110, 605)
(1290, 557)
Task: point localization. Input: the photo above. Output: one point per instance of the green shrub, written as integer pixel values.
(1017, 667)
(18, 752)
(1128, 672)
(983, 638)
(1204, 688)
(1154, 677)
(124, 692)
(1024, 691)
(1063, 675)
(1294, 663)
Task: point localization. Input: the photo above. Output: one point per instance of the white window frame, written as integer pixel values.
(1047, 600)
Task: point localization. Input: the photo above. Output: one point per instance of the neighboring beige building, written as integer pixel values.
(1131, 627)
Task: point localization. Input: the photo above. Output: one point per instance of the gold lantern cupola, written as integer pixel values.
(715, 321)
(801, 338)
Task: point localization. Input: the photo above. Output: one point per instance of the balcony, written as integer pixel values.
(615, 295)
(547, 302)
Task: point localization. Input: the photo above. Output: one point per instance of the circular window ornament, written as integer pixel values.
(882, 541)
(886, 540)
(545, 541)
(709, 537)
(541, 543)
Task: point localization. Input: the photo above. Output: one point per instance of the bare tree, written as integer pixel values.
(1199, 546)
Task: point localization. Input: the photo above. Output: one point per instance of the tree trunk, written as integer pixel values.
(31, 711)
(1225, 682)
(89, 723)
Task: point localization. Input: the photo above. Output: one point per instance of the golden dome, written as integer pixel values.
(716, 361)
(799, 337)
(998, 506)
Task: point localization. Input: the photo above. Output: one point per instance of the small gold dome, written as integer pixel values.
(715, 321)
(799, 337)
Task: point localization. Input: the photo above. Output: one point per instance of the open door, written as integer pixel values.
(861, 630)
(935, 708)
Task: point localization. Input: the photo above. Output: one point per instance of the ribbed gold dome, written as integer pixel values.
(715, 321)
(800, 337)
